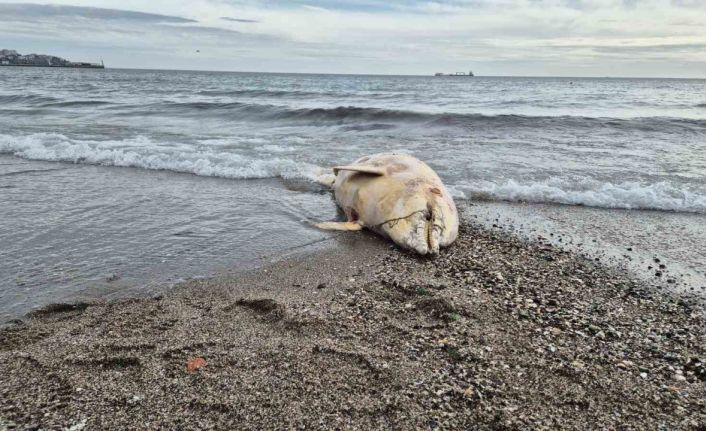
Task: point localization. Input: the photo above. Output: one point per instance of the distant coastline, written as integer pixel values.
(10, 57)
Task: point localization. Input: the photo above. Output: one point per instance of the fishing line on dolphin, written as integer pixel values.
(394, 220)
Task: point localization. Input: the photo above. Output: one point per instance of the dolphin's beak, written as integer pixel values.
(426, 232)
(433, 228)
(433, 233)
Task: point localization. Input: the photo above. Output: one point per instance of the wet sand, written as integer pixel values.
(662, 247)
(495, 333)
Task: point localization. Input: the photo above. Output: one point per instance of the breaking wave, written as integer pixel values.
(344, 115)
(294, 94)
(628, 195)
(217, 160)
(143, 153)
(75, 104)
(261, 93)
(25, 98)
(351, 118)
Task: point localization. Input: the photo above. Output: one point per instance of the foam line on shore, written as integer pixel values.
(141, 152)
(626, 195)
(214, 159)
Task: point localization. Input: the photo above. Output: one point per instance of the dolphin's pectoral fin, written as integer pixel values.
(371, 170)
(326, 180)
(342, 225)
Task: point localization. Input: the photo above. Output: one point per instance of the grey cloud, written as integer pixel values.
(661, 48)
(515, 38)
(31, 12)
(150, 39)
(222, 34)
(64, 21)
(227, 18)
(386, 6)
(688, 3)
(585, 5)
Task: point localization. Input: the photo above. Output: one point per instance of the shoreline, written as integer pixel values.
(192, 246)
(496, 332)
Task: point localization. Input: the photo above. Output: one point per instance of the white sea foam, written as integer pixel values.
(140, 152)
(269, 148)
(237, 159)
(589, 192)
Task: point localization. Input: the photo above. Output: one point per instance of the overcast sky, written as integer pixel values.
(664, 38)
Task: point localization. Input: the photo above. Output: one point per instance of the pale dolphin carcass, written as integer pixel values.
(397, 196)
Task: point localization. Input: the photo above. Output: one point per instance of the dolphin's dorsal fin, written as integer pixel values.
(372, 170)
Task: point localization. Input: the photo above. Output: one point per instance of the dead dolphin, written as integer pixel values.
(397, 196)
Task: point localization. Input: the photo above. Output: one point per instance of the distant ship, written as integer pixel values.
(10, 57)
(470, 73)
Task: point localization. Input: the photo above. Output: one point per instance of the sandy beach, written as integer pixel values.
(495, 333)
(188, 191)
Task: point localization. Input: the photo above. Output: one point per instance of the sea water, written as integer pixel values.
(117, 182)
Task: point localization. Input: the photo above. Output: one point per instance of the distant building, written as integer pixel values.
(10, 57)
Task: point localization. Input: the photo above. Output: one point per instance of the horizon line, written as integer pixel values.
(406, 75)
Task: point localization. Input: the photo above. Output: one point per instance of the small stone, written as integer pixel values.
(194, 364)
(625, 364)
(679, 377)
(321, 286)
